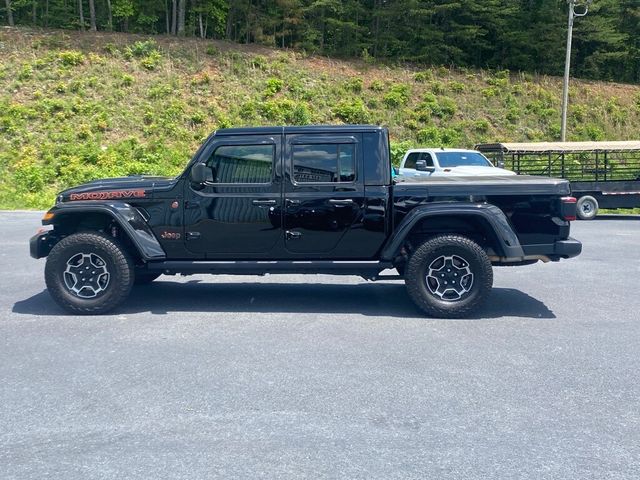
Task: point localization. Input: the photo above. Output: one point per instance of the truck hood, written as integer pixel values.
(120, 188)
(472, 171)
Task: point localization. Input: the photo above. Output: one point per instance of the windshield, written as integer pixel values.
(462, 159)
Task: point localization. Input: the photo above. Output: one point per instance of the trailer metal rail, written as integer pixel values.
(605, 174)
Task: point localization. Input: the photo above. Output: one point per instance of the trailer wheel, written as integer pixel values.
(587, 208)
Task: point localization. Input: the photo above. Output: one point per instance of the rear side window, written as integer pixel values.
(324, 163)
(242, 164)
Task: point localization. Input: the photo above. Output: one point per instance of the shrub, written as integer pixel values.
(25, 72)
(212, 50)
(513, 115)
(429, 136)
(141, 48)
(300, 115)
(197, 118)
(457, 87)
(378, 86)
(127, 80)
(160, 90)
(352, 111)
(71, 58)
(354, 84)
(279, 110)
(447, 108)
(423, 77)
(259, 62)
(397, 95)
(97, 59)
(498, 82)
(151, 61)
(450, 137)
(437, 87)
(248, 110)
(481, 125)
(593, 132)
(579, 112)
(111, 49)
(274, 85)
(490, 92)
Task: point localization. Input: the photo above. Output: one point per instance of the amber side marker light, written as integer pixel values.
(569, 201)
(47, 216)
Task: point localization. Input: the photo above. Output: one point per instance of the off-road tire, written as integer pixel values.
(117, 263)
(143, 278)
(587, 208)
(446, 247)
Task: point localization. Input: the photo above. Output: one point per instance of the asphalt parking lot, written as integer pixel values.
(326, 377)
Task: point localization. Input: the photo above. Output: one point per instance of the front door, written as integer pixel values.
(324, 194)
(237, 212)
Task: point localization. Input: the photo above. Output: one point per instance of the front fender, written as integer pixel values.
(126, 216)
(508, 243)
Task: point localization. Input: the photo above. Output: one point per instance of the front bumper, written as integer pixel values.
(568, 248)
(41, 244)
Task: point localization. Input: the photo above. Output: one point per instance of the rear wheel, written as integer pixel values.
(449, 276)
(89, 273)
(587, 208)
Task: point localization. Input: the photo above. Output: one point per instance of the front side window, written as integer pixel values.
(411, 160)
(241, 164)
(427, 158)
(324, 163)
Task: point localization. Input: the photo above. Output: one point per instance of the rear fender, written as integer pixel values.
(508, 244)
(127, 217)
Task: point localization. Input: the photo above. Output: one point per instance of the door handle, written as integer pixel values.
(341, 202)
(264, 203)
(292, 202)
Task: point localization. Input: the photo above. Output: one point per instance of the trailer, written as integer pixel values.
(602, 174)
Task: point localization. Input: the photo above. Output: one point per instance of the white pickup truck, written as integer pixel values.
(447, 161)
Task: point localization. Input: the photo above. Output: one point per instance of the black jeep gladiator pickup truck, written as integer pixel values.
(316, 199)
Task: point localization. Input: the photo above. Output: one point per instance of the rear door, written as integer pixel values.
(237, 213)
(323, 194)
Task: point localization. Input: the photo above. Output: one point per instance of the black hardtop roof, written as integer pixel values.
(298, 129)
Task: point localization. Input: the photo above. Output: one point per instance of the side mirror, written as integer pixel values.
(199, 173)
(421, 166)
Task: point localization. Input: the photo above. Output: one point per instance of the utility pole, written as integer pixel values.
(573, 14)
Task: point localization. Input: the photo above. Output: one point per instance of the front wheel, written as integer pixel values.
(89, 273)
(449, 276)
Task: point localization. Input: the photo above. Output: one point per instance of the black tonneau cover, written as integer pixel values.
(485, 185)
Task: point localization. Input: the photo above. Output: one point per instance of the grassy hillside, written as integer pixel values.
(78, 106)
